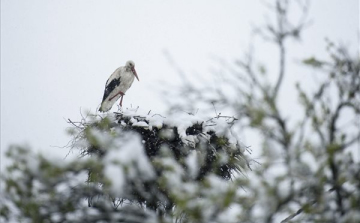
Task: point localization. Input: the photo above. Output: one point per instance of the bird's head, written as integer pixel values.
(130, 65)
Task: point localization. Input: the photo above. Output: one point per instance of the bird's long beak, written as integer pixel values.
(134, 71)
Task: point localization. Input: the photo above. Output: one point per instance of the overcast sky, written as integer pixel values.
(57, 55)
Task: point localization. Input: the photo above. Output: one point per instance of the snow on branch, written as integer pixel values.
(152, 160)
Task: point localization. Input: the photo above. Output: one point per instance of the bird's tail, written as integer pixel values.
(101, 109)
(105, 106)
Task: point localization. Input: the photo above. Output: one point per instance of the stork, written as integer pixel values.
(117, 84)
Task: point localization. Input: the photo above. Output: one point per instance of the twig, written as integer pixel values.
(73, 123)
(350, 142)
(282, 69)
(214, 108)
(158, 115)
(295, 214)
(292, 216)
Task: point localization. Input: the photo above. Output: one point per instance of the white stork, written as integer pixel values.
(117, 84)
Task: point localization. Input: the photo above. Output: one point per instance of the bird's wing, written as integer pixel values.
(111, 83)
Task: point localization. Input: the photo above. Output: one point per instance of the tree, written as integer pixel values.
(308, 172)
(134, 167)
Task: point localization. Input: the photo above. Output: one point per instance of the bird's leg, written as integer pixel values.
(120, 92)
(113, 96)
(122, 96)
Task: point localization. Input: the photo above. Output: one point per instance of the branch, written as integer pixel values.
(295, 214)
(350, 142)
(333, 166)
(332, 127)
(283, 128)
(282, 67)
(247, 67)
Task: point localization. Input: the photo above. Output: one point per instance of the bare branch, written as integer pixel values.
(282, 68)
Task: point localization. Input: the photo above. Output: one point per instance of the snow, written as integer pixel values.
(218, 184)
(62, 187)
(77, 179)
(133, 120)
(116, 175)
(141, 124)
(221, 128)
(167, 134)
(103, 138)
(125, 160)
(33, 165)
(283, 188)
(182, 121)
(156, 121)
(192, 164)
(231, 214)
(128, 150)
(351, 216)
(55, 217)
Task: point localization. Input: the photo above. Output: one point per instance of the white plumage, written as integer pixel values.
(117, 84)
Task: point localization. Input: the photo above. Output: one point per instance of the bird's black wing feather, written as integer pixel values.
(111, 86)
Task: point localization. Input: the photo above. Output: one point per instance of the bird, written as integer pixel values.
(117, 84)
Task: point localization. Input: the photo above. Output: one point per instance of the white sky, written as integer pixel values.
(57, 55)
